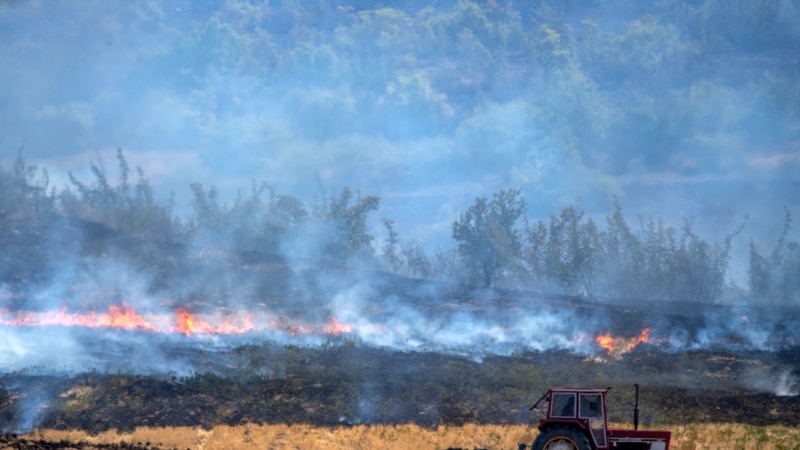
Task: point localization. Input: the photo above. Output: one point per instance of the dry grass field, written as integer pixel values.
(686, 437)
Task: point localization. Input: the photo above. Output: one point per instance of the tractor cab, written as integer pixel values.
(584, 409)
(576, 419)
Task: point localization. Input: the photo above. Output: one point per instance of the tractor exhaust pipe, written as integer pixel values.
(636, 408)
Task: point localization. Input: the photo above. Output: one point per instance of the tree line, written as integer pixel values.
(494, 242)
(570, 253)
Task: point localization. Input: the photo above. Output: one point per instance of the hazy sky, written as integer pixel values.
(189, 103)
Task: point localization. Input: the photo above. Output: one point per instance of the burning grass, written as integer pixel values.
(249, 436)
(125, 317)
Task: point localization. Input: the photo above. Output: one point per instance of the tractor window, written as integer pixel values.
(562, 405)
(591, 406)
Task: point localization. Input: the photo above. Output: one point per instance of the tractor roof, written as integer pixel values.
(579, 390)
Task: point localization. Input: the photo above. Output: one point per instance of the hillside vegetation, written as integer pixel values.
(494, 243)
(610, 96)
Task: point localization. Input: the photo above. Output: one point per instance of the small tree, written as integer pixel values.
(345, 217)
(776, 277)
(120, 206)
(286, 214)
(486, 233)
(417, 263)
(24, 190)
(209, 214)
(390, 247)
(624, 258)
(251, 223)
(446, 263)
(567, 251)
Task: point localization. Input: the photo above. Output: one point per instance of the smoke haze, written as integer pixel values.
(675, 113)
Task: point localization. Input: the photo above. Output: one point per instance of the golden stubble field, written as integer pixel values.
(684, 437)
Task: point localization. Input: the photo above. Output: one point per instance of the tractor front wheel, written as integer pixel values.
(561, 438)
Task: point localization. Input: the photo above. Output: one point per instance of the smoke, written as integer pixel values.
(780, 382)
(788, 385)
(106, 314)
(32, 405)
(109, 302)
(728, 327)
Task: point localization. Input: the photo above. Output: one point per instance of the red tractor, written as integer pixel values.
(576, 420)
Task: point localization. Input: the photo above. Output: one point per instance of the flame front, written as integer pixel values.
(184, 322)
(336, 328)
(616, 346)
(188, 324)
(124, 317)
(118, 316)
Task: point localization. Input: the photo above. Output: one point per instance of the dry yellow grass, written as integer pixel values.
(279, 437)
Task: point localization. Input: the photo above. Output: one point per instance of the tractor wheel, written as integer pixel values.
(561, 438)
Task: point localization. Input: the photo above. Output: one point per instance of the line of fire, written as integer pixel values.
(125, 317)
(182, 321)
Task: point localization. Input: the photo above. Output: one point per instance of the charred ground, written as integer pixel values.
(344, 384)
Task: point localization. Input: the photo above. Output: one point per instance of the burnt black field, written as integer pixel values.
(344, 383)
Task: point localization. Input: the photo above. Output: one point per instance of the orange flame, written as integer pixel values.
(118, 316)
(188, 323)
(185, 322)
(616, 346)
(124, 317)
(336, 328)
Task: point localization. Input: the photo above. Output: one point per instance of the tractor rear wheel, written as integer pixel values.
(561, 438)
